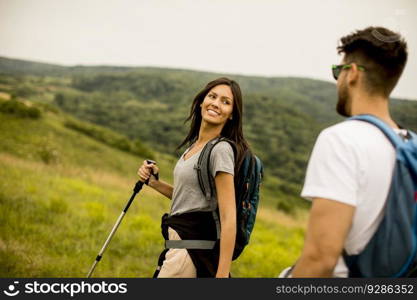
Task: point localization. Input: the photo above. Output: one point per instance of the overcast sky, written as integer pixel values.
(257, 37)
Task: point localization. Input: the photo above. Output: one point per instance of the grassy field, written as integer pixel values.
(61, 192)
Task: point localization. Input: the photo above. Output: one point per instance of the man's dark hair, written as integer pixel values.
(382, 52)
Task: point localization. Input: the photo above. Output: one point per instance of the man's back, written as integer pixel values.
(352, 163)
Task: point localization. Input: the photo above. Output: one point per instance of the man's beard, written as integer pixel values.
(344, 102)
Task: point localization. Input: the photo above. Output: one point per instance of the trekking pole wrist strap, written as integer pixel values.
(156, 178)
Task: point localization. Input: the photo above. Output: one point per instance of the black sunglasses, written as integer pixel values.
(337, 69)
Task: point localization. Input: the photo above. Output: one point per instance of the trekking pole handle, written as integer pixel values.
(149, 161)
(139, 185)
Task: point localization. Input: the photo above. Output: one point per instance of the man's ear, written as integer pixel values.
(353, 74)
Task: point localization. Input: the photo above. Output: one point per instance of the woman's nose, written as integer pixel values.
(215, 102)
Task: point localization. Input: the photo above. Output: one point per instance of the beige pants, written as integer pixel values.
(177, 263)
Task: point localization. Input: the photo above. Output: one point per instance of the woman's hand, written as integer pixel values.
(146, 170)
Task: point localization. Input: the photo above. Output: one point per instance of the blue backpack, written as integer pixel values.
(247, 182)
(392, 251)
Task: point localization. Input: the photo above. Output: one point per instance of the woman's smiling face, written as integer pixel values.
(217, 106)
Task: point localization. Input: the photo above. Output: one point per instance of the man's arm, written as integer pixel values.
(328, 227)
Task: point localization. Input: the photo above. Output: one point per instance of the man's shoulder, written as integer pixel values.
(351, 129)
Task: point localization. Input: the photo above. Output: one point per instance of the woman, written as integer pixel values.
(216, 112)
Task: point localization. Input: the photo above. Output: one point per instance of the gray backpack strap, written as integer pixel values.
(217, 221)
(189, 244)
(202, 167)
(205, 179)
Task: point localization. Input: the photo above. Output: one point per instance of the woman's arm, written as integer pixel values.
(164, 188)
(144, 173)
(227, 208)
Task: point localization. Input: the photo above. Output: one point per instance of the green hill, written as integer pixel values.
(62, 190)
(282, 116)
(71, 140)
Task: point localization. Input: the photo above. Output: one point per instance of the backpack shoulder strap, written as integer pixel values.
(203, 166)
(387, 130)
(200, 166)
(205, 179)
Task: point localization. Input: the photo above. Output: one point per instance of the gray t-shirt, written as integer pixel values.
(187, 195)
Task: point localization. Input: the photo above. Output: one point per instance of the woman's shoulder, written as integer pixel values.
(222, 151)
(223, 146)
(222, 158)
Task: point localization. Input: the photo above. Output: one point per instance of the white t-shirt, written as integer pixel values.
(352, 162)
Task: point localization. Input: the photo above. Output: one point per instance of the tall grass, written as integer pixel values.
(56, 213)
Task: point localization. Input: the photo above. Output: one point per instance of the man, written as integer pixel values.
(351, 166)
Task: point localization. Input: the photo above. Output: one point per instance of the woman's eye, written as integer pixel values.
(211, 96)
(226, 102)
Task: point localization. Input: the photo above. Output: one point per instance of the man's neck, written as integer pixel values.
(374, 105)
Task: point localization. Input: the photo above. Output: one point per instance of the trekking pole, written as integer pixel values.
(136, 189)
